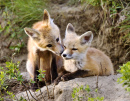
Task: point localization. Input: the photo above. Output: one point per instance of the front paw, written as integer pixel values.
(64, 78)
(57, 80)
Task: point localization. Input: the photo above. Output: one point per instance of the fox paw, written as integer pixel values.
(64, 78)
(57, 80)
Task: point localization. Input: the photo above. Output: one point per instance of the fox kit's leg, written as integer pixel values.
(54, 73)
(32, 67)
(76, 74)
(62, 72)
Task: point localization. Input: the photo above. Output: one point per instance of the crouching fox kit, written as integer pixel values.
(80, 60)
(44, 42)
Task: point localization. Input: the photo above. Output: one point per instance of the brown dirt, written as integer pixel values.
(16, 87)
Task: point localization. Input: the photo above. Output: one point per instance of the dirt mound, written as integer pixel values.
(107, 88)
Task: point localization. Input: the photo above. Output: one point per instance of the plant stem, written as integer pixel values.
(53, 90)
(27, 89)
(27, 95)
(47, 89)
(41, 92)
(16, 98)
(42, 95)
(36, 95)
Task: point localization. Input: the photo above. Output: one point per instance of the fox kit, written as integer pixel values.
(44, 42)
(80, 60)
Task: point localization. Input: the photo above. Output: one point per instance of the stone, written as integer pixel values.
(107, 88)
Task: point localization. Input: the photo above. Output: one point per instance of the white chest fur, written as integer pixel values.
(72, 65)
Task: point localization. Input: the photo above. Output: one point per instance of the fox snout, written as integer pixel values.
(59, 49)
(62, 50)
(66, 55)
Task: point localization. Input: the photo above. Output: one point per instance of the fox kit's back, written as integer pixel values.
(98, 61)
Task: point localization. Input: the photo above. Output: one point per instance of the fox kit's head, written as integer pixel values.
(46, 35)
(75, 46)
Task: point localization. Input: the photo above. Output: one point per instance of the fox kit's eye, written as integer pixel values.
(49, 45)
(74, 49)
(57, 39)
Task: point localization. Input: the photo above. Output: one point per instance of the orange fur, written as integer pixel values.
(79, 56)
(43, 44)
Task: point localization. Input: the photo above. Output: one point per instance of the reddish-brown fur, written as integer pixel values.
(42, 47)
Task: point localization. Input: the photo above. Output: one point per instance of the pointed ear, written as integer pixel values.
(69, 29)
(31, 33)
(46, 17)
(86, 38)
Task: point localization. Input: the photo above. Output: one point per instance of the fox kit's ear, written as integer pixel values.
(69, 29)
(86, 38)
(46, 17)
(31, 32)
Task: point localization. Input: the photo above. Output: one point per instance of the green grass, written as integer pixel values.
(78, 96)
(19, 14)
(27, 11)
(125, 78)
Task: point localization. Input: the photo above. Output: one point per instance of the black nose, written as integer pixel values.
(64, 55)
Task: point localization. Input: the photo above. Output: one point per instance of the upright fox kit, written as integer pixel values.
(80, 60)
(44, 42)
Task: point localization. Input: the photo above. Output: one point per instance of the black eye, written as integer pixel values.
(57, 39)
(49, 45)
(74, 49)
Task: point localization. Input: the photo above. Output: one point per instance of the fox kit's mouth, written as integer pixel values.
(68, 58)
